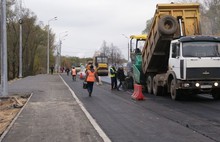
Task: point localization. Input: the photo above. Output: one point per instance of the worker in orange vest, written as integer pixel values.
(73, 72)
(91, 77)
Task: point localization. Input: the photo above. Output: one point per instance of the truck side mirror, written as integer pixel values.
(178, 50)
(175, 51)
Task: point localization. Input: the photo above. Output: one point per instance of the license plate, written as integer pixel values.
(206, 86)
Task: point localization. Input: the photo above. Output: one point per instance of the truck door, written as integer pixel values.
(174, 61)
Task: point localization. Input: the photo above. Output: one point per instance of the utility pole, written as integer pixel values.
(4, 80)
(60, 46)
(59, 57)
(20, 45)
(128, 44)
(57, 60)
(48, 43)
(1, 47)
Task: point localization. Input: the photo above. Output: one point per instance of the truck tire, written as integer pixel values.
(149, 84)
(167, 25)
(157, 90)
(175, 94)
(129, 83)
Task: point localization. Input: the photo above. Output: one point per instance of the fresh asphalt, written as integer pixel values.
(53, 114)
(127, 120)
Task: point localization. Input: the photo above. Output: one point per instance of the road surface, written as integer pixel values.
(156, 119)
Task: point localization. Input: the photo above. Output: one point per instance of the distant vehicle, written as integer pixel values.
(77, 66)
(82, 72)
(101, 65)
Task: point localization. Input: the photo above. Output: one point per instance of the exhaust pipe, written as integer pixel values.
(180, 24)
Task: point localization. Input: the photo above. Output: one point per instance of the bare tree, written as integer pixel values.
(113, 53)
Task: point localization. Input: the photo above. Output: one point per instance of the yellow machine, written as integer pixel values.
(101, 65)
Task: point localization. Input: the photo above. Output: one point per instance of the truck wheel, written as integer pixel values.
(173, 91)
(129, 83)
(167, 25)
(149, 84)
(157, 90)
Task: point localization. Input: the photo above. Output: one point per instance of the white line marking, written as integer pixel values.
(91, 119)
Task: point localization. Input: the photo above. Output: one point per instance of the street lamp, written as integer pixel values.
(48, 43)
(128, 44)
(58, 62)
(4, 59)
(20, 49)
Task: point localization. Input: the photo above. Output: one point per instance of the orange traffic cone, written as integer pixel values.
(80, 76)
(137, 95)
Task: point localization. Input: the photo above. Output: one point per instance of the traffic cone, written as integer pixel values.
(80, 76)
(137, 95)
(134, 93)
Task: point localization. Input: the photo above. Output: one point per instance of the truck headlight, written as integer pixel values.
(216, 84)
(197, 84)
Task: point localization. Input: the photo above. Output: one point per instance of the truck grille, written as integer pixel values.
(203, 73)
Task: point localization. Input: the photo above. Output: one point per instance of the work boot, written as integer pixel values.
(90, 94)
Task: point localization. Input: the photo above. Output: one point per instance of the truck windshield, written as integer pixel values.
(141, 44)
(201, 49)
(102, 59)
(137, 44)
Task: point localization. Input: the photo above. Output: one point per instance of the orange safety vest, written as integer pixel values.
(73, 71)
(91, 76)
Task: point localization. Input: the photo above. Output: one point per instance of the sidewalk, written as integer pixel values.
(51, 115)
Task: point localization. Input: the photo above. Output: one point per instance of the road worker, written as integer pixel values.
(120, 76)
(113, 75)
(73, 72)
(91, 77)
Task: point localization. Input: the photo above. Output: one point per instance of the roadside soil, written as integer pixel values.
(9, 108)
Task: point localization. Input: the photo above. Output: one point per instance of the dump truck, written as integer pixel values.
(177, 59)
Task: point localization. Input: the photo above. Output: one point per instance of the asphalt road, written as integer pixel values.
(157, 118)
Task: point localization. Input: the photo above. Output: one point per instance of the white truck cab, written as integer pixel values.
(194, 63)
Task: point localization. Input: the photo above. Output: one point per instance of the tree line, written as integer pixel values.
(34, 42)
(113, 53)
(34, 39)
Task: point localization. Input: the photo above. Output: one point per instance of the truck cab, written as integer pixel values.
(194, 65)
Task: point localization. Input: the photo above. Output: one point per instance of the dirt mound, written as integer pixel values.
(9, 108)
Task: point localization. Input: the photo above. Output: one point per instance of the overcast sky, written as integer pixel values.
(90, 22)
